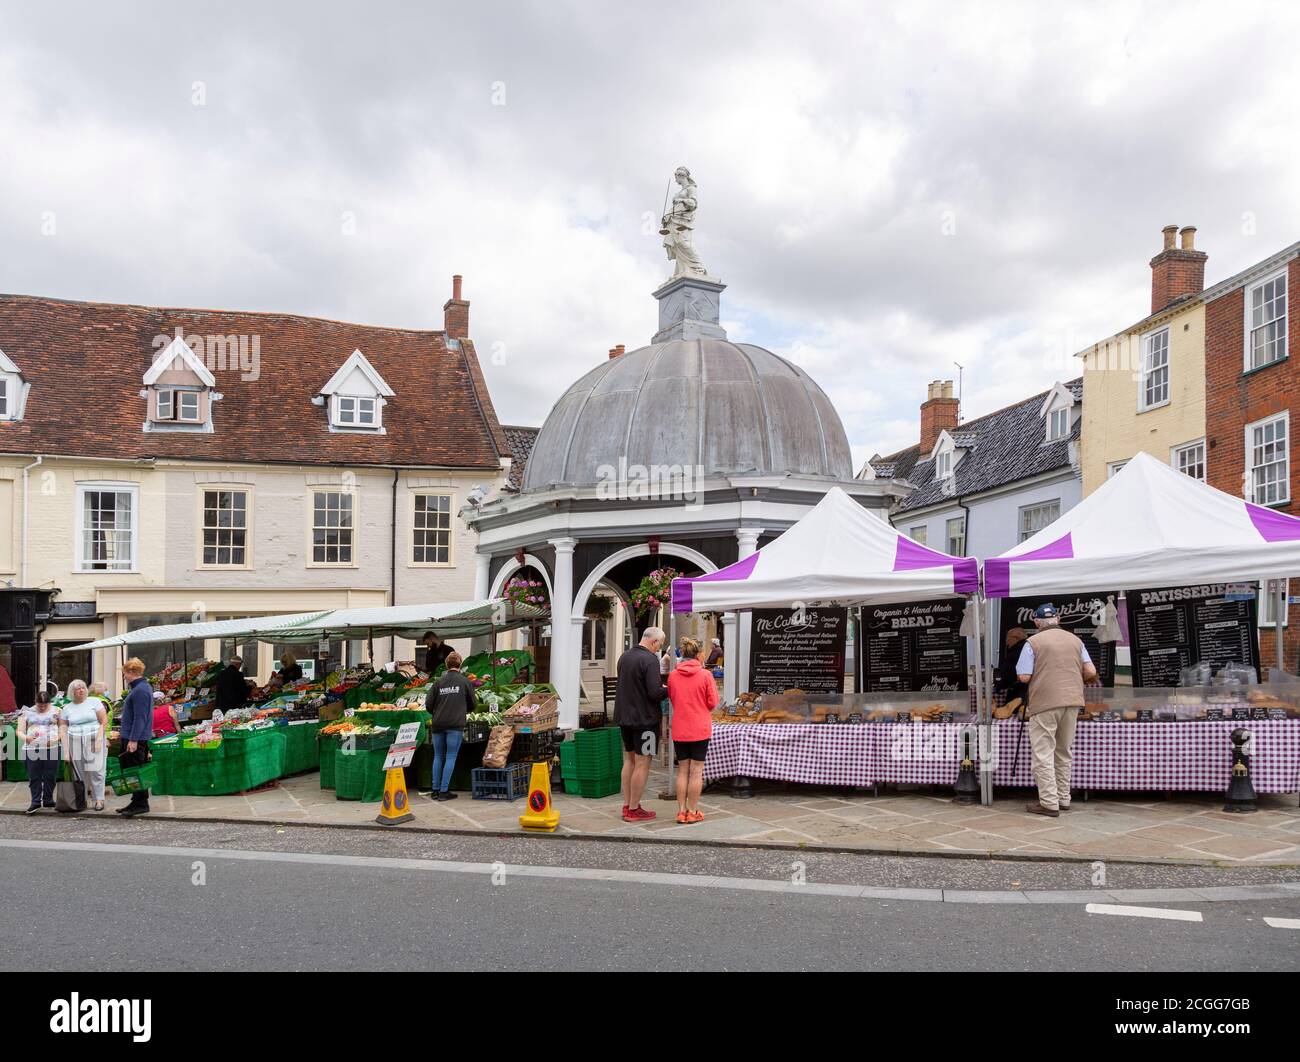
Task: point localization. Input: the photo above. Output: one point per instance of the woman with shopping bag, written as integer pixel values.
(82, 727)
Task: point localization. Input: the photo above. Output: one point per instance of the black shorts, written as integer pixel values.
(636, 739)
(690, 750)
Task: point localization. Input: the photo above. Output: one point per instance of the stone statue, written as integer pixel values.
(678, 228)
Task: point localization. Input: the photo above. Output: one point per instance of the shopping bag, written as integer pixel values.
(70, 795)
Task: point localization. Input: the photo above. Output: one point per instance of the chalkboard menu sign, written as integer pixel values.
(912, 647)
(798, 649)
(1178, 626)
(1077, 612)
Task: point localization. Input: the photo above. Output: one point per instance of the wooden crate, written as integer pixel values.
(547, 716)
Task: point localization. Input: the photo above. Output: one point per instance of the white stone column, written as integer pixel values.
(482, 570)
(747, 539)
(565, 647)
(730, 658)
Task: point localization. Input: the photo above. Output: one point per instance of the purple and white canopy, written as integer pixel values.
(838, 553)
(1149, 526)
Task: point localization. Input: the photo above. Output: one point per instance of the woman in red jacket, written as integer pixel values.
(694, 694)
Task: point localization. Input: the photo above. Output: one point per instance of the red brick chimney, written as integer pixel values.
(938, 413)
(615, 352)
(1177, 271)
(455, 312)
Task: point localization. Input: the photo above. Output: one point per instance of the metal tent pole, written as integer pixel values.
(983, 700)
(668, 730)
(1279, 615)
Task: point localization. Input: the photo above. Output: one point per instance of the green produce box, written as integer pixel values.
(360, 775)
(329, 747)
(301, 749)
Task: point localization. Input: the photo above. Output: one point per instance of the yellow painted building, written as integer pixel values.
(1144, 391)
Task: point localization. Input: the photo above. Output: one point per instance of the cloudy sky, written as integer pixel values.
(887, 189)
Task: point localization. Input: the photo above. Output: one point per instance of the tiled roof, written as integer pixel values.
(520, 441)
(85, 362)
(1004, 447)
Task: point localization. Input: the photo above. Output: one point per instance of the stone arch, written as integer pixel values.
(670, 549)
(512, 565)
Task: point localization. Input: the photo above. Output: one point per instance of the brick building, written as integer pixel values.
(1251, 384)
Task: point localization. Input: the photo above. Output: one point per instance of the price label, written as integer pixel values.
(832, 718)
(323, 646)
(349, 712)
(1259, 713)
(945, 717)
(388, 686)
(904, 717)
(1214, 715)
(855, 717)
(1146, 715)
(1277, 713)
(1109, 717)
(189, 693)
(204, 692)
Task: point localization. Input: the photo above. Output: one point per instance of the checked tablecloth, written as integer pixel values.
(1134, 756)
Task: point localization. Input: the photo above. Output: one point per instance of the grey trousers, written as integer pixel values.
(90, 768)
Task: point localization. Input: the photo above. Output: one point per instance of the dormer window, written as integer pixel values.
(351, 411)
(176, 404)
(13, 390)
(943, 464)
(179, 391)
(1057, 412)
(356, 396)
(1058, 424)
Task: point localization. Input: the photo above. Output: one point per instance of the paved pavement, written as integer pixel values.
(247, 896)
(1149, 827)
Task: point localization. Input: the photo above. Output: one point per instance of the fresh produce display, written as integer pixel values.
(489, 718)
(345, 727)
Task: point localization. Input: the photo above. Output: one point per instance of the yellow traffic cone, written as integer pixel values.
(396, 807)
(540, 815)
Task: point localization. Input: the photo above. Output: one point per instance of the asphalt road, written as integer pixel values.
(222, 897)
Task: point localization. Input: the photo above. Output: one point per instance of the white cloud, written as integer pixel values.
(894, 188)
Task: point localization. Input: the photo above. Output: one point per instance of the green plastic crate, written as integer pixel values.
(594, 787)
(596, 753)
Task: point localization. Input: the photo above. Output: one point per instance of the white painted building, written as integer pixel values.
(169, 464)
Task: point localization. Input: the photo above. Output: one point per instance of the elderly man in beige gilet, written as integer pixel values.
(1055, 664)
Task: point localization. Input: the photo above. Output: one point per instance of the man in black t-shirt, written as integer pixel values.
(638, 711)
(436, 652)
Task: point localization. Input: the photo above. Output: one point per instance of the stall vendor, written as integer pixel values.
(232, 686)
(290, 670)
(436, 652)
(1008, 678)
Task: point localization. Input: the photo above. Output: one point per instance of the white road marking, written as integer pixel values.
(1143, 912)
(711, 881)
(1283, 923)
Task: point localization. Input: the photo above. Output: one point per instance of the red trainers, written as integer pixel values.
(695, 816)
(629, 815)
(642, 815)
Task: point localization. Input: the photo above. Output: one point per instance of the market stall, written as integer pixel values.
(838, 556)
(296, 728)
(1178, 549)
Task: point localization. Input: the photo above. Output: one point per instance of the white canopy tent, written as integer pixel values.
(455, 619)
(1149, 526)
(230, 628)
(837, 554)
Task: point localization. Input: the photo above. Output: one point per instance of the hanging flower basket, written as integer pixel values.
(598, 607)
(654, 590)
(522, 590)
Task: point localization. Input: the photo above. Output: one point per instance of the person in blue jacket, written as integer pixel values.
(135, 727)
